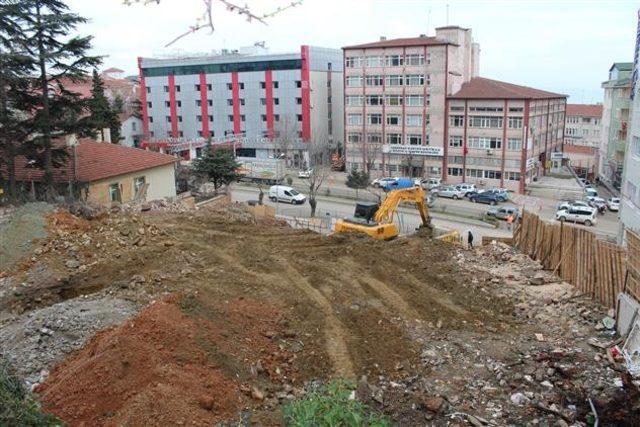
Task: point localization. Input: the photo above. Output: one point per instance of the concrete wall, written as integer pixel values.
(161, 182)
(630, 188)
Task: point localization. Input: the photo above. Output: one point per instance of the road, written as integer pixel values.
(408, 219)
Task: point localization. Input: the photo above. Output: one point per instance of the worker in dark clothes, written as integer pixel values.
(470, 239)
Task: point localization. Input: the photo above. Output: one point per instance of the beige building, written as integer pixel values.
(502, 135)
(582, 138)
(395, 94)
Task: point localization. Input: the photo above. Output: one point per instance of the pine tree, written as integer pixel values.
(101, 114)
(217, 166)
(58, 55)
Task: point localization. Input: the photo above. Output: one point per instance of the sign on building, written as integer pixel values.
(412, 150)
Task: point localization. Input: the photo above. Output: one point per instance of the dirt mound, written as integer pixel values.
(62, 221)
(122, 374)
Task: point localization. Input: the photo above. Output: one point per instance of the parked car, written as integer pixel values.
(282, 193)
(591, 192)
(467, 188)
(598, 203)
(381, 182)
(305, 173)
(585, 182)
(613, 204)
(397, 184)
(431, 183)
(504, 212)
(503, 193)
(485, 197)
(573, 203)
(582, 215)
(450, 192)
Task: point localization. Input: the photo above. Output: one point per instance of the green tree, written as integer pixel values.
(101, 114)
(357, 179)
(58, 55)
(217, 166)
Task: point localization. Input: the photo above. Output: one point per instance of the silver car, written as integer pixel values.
(451, 193)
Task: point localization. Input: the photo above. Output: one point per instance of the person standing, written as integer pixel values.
(470, 239)
(509, 221)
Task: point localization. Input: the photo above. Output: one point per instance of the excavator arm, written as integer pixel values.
(389, 207)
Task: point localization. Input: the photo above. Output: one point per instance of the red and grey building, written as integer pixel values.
(258, 100)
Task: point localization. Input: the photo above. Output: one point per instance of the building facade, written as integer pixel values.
(264, 101)
(502, 135)
(615, 119)
(394, 96)
(582, 138)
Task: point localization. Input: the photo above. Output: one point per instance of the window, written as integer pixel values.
(230, 117)
(211, 120)
(414, 80)
(148, 89)
(485, 122)
(374, 99)
(353, 62)
(516, 109)
(242, 117)
(229, 101)
(374, 138)
(264, 117)
(276, 117)
(276, 101)
(197, 88)
(263, 85)
(199, 118)
(177, 88)
(180, 119)
(456, 159)
(457, 108)
(484, 143)
(138, 183)
(455, 141)
(393, 60)
(299, 117)
(114, 192)
(198, 103)
(393, 100)
(393, 80)
(210, 102)
(512, 176)
(632, 189)
(149, 104)
(166, 88)
(354, 137)
(374, 119)
(241, 101)
(415, 100)
(375, 61)
(454, 171)
(375, 80)
(414, 59)
(475, 173)
(230, 86)
(298, 84)
(150, 119)
(263, 101)
(275, 85)
(354, 81)
(394, 138)
(414, 119)
(354, 119)
(414, 139)
(354, 100)
(456, 121)
(299, 101)
(168, 119)
(134, 126)
(167, 104)
(514, 144)
(485, 109)
(515, 122)
(209, 87)
(635, 146)
(394, 119)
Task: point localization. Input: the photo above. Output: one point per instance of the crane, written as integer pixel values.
(377, 220)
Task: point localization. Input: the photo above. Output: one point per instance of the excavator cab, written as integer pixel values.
(365, 211)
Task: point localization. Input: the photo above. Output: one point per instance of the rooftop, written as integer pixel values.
(411, 41)
(585, 110)
(481, 88)
(96, 161)
(622, 66)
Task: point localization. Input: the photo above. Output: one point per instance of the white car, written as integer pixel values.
(383, 182)
(450, 192)
(305, 173)
(582, 215)
(613, 204)
(573, 204)
(282, 193)
(467, 188)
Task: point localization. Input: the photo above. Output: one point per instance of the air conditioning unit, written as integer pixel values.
(489, 152)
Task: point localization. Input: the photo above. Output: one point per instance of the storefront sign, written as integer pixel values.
(557, 156)
(531, 162)
(412, 150)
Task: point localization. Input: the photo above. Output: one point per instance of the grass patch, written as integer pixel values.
(332, 405)
(17, 406)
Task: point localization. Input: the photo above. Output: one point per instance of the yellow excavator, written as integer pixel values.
(377, 220)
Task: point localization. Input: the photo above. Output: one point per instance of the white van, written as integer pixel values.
(578, 214)
(282, 193)
(591, 192)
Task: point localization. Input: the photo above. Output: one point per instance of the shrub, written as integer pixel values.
(17, 406)
(332, 405)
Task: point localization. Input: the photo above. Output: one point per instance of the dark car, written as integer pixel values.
(486, 197)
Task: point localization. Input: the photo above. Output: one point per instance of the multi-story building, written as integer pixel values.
(582, 136)
(268, 103)
(502, 135)
(615, 118)
(395, 92)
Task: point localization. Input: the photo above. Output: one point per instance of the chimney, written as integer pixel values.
(382, 38)
(423, 36)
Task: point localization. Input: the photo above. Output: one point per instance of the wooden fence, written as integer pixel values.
(594, 266)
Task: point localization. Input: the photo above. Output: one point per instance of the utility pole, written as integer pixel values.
(447, 14)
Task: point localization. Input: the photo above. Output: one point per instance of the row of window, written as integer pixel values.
(198, 102)
(276, 117)
(578, 119)
(487, 109)
(484, 161)
(484, 174)
(486, 143)
(389, 80)
(390, 100)
(263, 85)
(387, 60)
(391, 119)
(486, 122)
(391, 138)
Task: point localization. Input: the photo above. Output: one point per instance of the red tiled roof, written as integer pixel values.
(411, 41)
(96, 161)
(481, 88)
(585, 110)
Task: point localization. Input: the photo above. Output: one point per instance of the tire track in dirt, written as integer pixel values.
(335, 337)
(436, 295)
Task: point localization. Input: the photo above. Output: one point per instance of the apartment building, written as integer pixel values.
(615, 118)
(266, 103)
(582, 136)
(502, 135)
(395, 93)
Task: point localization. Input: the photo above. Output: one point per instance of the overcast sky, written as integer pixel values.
(562, 46)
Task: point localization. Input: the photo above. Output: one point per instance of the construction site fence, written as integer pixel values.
(596, 267)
